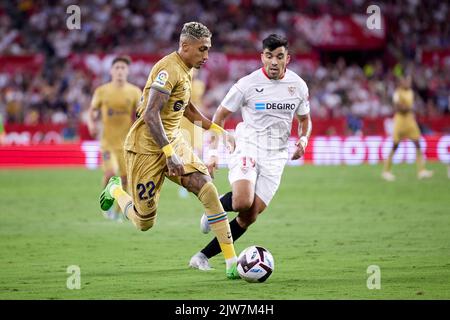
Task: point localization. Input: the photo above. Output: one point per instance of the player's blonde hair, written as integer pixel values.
(195, 30)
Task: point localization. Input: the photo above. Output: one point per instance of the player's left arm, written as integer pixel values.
(196, 117)
(304, 132)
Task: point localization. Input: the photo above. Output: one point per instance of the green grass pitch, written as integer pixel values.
(325, 226)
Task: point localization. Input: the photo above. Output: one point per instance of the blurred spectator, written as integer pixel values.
(70, 131)
(354, 125)
(60, 93)
(237, 25)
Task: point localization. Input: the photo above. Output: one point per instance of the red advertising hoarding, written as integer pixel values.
(322, 150)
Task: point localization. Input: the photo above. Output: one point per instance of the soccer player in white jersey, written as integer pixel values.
(268, 98)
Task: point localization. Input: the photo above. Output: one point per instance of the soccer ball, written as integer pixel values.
(255, 264)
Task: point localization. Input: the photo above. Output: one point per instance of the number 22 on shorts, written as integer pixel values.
(146, 191)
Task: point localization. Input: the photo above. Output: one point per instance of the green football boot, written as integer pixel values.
(232, 273)
(106, 198)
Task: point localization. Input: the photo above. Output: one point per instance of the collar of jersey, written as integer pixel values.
(185, 67)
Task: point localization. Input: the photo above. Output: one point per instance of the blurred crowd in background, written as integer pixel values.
(356, 84)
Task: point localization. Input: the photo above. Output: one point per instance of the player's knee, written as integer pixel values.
(144, 225)
(195, 182)
(241, 203)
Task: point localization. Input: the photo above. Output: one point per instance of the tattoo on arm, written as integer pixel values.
(152, 116)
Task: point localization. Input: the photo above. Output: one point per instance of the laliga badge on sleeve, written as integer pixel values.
(161, 78)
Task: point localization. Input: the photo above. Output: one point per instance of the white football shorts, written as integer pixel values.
(264, 173)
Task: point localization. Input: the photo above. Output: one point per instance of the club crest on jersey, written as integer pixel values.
(291, 90)
(161, 78)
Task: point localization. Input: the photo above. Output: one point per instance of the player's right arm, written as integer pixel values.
(94, 113)
(152, 117)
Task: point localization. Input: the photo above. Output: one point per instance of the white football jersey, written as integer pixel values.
(268, 108)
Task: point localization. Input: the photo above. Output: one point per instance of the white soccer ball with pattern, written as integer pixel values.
(255, 264)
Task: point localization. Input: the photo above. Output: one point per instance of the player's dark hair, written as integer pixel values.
(125, 59)
(274, 41)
